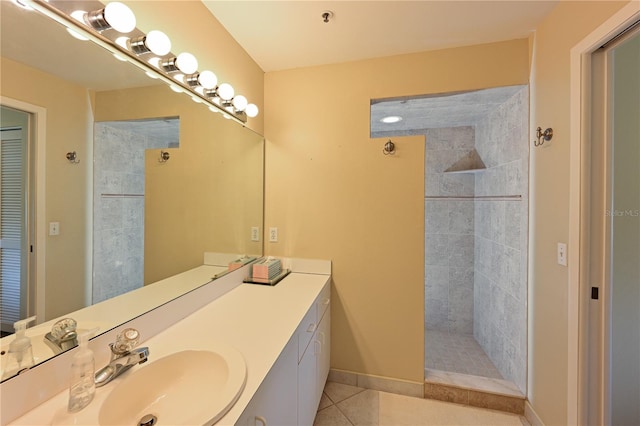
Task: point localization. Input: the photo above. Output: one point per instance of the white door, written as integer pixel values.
(14, 229)
(613, 359)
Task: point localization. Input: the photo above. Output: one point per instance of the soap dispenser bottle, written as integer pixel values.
(20, 355)
(82, 386)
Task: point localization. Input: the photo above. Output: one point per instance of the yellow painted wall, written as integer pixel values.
(69, 123)
(334, 195)
(549, 218)
(207, 196)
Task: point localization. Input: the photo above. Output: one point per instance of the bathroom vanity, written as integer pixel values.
(281, 331)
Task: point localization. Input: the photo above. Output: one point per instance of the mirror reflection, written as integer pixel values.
(159, 196)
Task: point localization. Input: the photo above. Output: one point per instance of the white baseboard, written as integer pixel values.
(531, 415)
(384, 384)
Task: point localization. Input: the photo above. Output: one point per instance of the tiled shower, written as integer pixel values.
(476, 225)
(118, 201)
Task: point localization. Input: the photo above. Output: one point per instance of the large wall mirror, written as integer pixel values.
(123, 184)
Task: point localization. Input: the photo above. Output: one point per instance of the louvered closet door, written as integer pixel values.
(12, 205)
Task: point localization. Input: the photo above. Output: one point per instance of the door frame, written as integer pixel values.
(580, 105)
(36, 157)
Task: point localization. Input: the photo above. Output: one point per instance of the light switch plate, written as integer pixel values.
(562, 254)
(273, 235)
(54, 228)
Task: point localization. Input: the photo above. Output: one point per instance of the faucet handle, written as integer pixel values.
(64, 329)
(126, 340)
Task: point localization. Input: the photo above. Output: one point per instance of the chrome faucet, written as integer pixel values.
(123, 356)
(63, 335)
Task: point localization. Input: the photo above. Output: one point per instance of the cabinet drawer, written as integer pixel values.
(323, 302)
(306, 329)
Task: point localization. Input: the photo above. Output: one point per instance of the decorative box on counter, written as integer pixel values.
(268, 271)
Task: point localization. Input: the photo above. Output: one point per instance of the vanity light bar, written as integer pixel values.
(100, 24)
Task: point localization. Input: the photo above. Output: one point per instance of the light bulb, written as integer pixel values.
(119, 17)
(175, 88)
(240, 103)
(225, 91)
(208, 80)
(187, 63)
(158, 42)
(122, 41)
(213, 109)
(75, 34)
(156, 62)
(251, 110)
(78, 15)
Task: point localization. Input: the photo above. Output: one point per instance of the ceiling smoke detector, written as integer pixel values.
(326, 16)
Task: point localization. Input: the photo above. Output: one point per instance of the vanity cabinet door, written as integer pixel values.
(313, 371)
(276, 401)
(306, 330)
(324, 356)
(307, 388)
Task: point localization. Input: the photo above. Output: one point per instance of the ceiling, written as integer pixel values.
(163, 131)
(428, 112)
(282, 35)
(291, 34)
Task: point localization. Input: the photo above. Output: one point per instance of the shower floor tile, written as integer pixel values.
(458, 353)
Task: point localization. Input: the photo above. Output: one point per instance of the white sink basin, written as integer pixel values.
(187, 387)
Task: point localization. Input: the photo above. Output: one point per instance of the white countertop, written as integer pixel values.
(256, 320)
(112, 312)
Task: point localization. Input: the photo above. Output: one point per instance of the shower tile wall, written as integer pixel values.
(118, 224)
(449, 233)
(500, 269)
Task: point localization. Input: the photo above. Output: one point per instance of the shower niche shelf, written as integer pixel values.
(470, 163)
(474, 171)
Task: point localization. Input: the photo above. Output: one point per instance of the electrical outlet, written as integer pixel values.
(54, 228)
(562, 254)
(273, 235)
(255, 233)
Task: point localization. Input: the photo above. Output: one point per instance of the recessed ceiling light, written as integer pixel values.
(391, 119)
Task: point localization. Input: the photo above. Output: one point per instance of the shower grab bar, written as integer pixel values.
(121, 195)
(475, 197)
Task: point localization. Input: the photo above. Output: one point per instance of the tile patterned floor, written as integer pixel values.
(459, 353)
(344, 405)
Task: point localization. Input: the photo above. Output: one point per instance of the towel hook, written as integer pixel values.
(389, 148)
(164, 157)
(72, 157)
(543, 136)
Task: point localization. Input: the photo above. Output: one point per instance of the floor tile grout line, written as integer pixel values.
(350, 396)
(344, 414)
